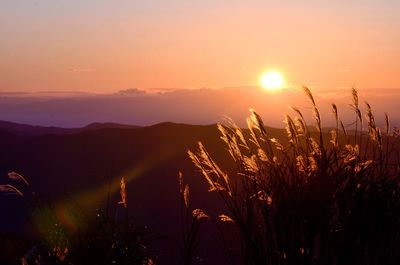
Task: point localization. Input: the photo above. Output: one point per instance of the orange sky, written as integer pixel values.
(102, 46)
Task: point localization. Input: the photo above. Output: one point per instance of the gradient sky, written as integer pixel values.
(105, 46)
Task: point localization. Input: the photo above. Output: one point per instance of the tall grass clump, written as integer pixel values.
(315, 198)
(65, 234)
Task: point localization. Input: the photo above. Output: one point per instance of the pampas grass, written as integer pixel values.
(316, 199)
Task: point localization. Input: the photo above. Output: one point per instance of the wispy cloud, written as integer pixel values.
(73, 69)
(131, 92)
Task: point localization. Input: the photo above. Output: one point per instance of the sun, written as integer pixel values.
(272, 80)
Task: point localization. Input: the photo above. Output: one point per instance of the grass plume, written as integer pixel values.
(311, 201)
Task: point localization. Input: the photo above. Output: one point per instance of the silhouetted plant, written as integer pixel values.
(105, 240)
(314, 199)
(191, 222)
(97, 239)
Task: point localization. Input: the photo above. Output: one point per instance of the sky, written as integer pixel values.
(106, 46)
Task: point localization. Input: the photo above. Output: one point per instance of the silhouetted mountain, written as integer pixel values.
(32, 130)
(106, 125)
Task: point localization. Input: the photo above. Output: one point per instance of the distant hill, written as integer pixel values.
(32, 130)
(106, 125)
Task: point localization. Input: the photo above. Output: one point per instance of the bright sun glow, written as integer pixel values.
(272, 80)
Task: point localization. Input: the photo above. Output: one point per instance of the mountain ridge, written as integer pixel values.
(22, 129)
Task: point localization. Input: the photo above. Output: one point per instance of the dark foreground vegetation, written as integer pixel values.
(107, 237)
(313, 200)
(311, 197)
